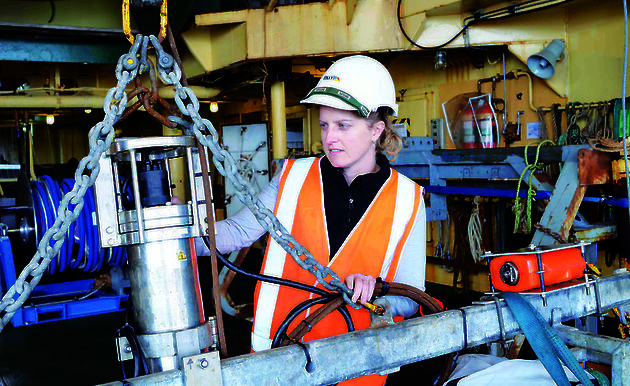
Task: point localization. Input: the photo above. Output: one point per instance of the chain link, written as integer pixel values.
(226, 165)
(100, 139)
(557, 236)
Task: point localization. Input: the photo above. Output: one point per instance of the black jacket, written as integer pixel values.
(345, 205)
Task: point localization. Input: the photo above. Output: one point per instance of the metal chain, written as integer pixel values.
(170, 73)
(100, 139)
(557, 236)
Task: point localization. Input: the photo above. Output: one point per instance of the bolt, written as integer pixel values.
(203, 363)
(129, 64)
(109, 229)
(127, 348)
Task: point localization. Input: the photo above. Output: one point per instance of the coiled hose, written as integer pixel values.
(81, 251)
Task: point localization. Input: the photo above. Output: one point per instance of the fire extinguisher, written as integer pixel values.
(469, 128)
(487, 126)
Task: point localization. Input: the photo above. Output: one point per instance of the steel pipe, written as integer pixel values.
(384, 348)
(85, 101)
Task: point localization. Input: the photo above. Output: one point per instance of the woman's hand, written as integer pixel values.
(363, 287)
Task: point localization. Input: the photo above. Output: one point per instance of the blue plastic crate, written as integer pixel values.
(53, 302)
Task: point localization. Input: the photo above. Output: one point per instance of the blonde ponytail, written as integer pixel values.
(389, 142)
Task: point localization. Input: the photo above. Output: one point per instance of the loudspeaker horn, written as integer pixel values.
(543, 63)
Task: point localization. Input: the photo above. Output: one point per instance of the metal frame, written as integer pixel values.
(464, 168)
(380, 349)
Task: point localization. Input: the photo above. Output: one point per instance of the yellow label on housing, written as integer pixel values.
(181, 255)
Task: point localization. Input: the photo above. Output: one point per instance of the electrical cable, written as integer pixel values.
(275, 280)
(623, 98)
(501, 13)
(270, 279)
(280, 335)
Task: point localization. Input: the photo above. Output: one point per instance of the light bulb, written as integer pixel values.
(50, 119)
(214, 107)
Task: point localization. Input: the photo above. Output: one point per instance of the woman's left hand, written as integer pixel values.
(363, 287)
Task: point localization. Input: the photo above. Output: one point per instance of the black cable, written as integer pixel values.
(270, 279)
(410, 40)
(281, 333)
(305, 287)
(128, 332)
(508, 11)
(297, 310)
(52, 11)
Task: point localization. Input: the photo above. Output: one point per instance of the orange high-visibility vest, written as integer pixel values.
(373, 247)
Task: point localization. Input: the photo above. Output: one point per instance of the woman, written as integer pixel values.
(349, 208)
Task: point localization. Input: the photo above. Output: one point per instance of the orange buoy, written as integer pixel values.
(523, 270)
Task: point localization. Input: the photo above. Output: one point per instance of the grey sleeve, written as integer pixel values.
(412, 266)
(242, 229)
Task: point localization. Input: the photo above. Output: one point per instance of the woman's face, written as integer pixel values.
(349, 141)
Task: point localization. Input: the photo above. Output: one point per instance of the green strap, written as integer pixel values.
(343, 96)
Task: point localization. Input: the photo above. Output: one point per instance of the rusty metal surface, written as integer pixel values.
(597, 233)
(594, 167)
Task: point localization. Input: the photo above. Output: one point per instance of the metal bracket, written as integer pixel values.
(125, 352)
(203, 369)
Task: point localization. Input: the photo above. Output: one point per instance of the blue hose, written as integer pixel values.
(48, 217)
(73, 237)
(81, 250)
(91, 253)
(70, 235)
(52, 189)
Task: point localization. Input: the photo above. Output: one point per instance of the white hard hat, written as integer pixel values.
(355, 83)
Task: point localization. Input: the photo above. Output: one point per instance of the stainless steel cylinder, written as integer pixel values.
(165, 290)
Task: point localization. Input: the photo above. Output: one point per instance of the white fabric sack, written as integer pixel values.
(482, 369)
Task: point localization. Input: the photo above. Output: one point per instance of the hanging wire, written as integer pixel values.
(500, 13)
(623, 97)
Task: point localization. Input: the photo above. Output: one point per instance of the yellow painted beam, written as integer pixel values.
(324, 28)
(221, 18)
(217, 46)
(278, 120)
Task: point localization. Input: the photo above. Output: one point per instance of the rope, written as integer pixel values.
(518, 205)
(542, 129)
(474, 232)
(607, 145)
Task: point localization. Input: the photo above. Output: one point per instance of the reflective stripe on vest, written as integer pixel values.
(295, 171)
(372, 248)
